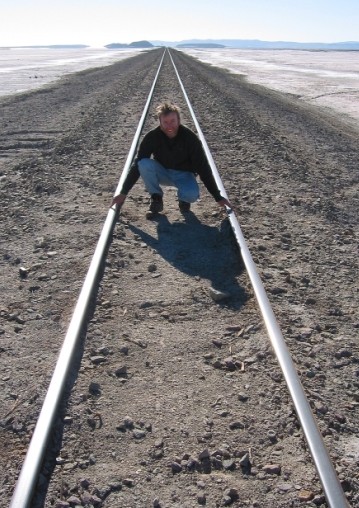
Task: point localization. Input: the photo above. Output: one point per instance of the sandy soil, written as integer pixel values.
(175, 399)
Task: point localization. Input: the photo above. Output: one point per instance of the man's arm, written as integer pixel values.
(145, 150)
(200, 163)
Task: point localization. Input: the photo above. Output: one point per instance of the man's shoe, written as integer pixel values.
(184, 206)
(156, 205)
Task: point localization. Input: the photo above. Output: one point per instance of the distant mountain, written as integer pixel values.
(258, 44)
(200, 45)
(137, 44)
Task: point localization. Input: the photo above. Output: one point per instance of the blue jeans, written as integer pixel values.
(154, 175)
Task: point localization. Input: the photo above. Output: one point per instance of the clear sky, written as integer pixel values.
(100, 22)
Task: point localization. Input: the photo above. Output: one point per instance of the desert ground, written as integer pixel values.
(175, 399)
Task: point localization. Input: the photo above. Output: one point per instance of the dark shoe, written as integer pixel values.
(156, 205)
(184, 206)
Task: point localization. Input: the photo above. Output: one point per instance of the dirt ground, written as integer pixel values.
(176, 399)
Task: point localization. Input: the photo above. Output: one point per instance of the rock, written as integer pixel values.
(244, 462)
(285, 487)
(86, 498)
(234, 328)
(272, 468)
(74, 500)
(96, 360)
(201, 499)
(218, 296)
(230, 363)
(129, 482)
(243, 397)
(23, 272)
(138, 433)
(230, 494)
(159, 443)
(121, 371)
(226, 501)
(272, 436)
(94, 388)
(204, 454)
(62, 504)
(236, 425)
(124, 350)
(229, 464)
(343, 353)
(84, 483)
(305, 495)
(115, 484)
(176, 467)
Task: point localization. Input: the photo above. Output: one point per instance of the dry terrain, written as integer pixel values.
(176, 399)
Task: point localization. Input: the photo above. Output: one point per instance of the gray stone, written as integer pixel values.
(138, 433)
(218, 296)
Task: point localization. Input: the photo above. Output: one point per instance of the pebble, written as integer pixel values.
(121, 371)
(218, 296)
(305, 495)
(96, 360)
(236, 425)
(245, 463)
(23, 272)
(218, 343)
(204, 454)
(74, 500)
(343, 353)
(176, 467)
(138, 433)
(272, 468)
(229, 464)
(129, 482)
(201, 499)
(285, 487)
(159, 443)
(94, 388)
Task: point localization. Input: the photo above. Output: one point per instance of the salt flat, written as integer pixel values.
(328, 79)
(23, 69)
(325, 78)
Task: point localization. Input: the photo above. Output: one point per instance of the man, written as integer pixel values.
(171, 154)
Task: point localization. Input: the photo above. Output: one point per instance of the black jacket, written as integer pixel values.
(183, 152)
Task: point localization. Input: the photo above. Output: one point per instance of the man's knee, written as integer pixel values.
(146, 164)
(189, 193)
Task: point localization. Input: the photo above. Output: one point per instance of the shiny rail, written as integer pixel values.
(331, 486)
(28, 475)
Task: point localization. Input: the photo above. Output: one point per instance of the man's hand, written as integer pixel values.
(118, 200)
(224, 202)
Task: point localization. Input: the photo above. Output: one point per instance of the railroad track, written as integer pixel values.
(103, 358)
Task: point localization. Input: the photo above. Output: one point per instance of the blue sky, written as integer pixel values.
(99, 22)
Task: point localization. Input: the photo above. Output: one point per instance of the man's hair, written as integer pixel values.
(166, 108)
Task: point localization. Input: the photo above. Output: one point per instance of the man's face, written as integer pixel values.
(169, 124)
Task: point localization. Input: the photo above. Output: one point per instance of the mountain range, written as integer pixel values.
(258, 44)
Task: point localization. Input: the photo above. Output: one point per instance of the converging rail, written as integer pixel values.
(32, 463)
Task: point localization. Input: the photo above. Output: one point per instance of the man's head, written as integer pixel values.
(169, 118)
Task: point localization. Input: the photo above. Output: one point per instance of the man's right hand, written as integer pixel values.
(118, 200)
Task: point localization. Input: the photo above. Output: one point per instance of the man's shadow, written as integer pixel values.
(200, 250)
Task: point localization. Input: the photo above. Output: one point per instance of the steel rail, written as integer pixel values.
(327, 475)
(28, 475)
